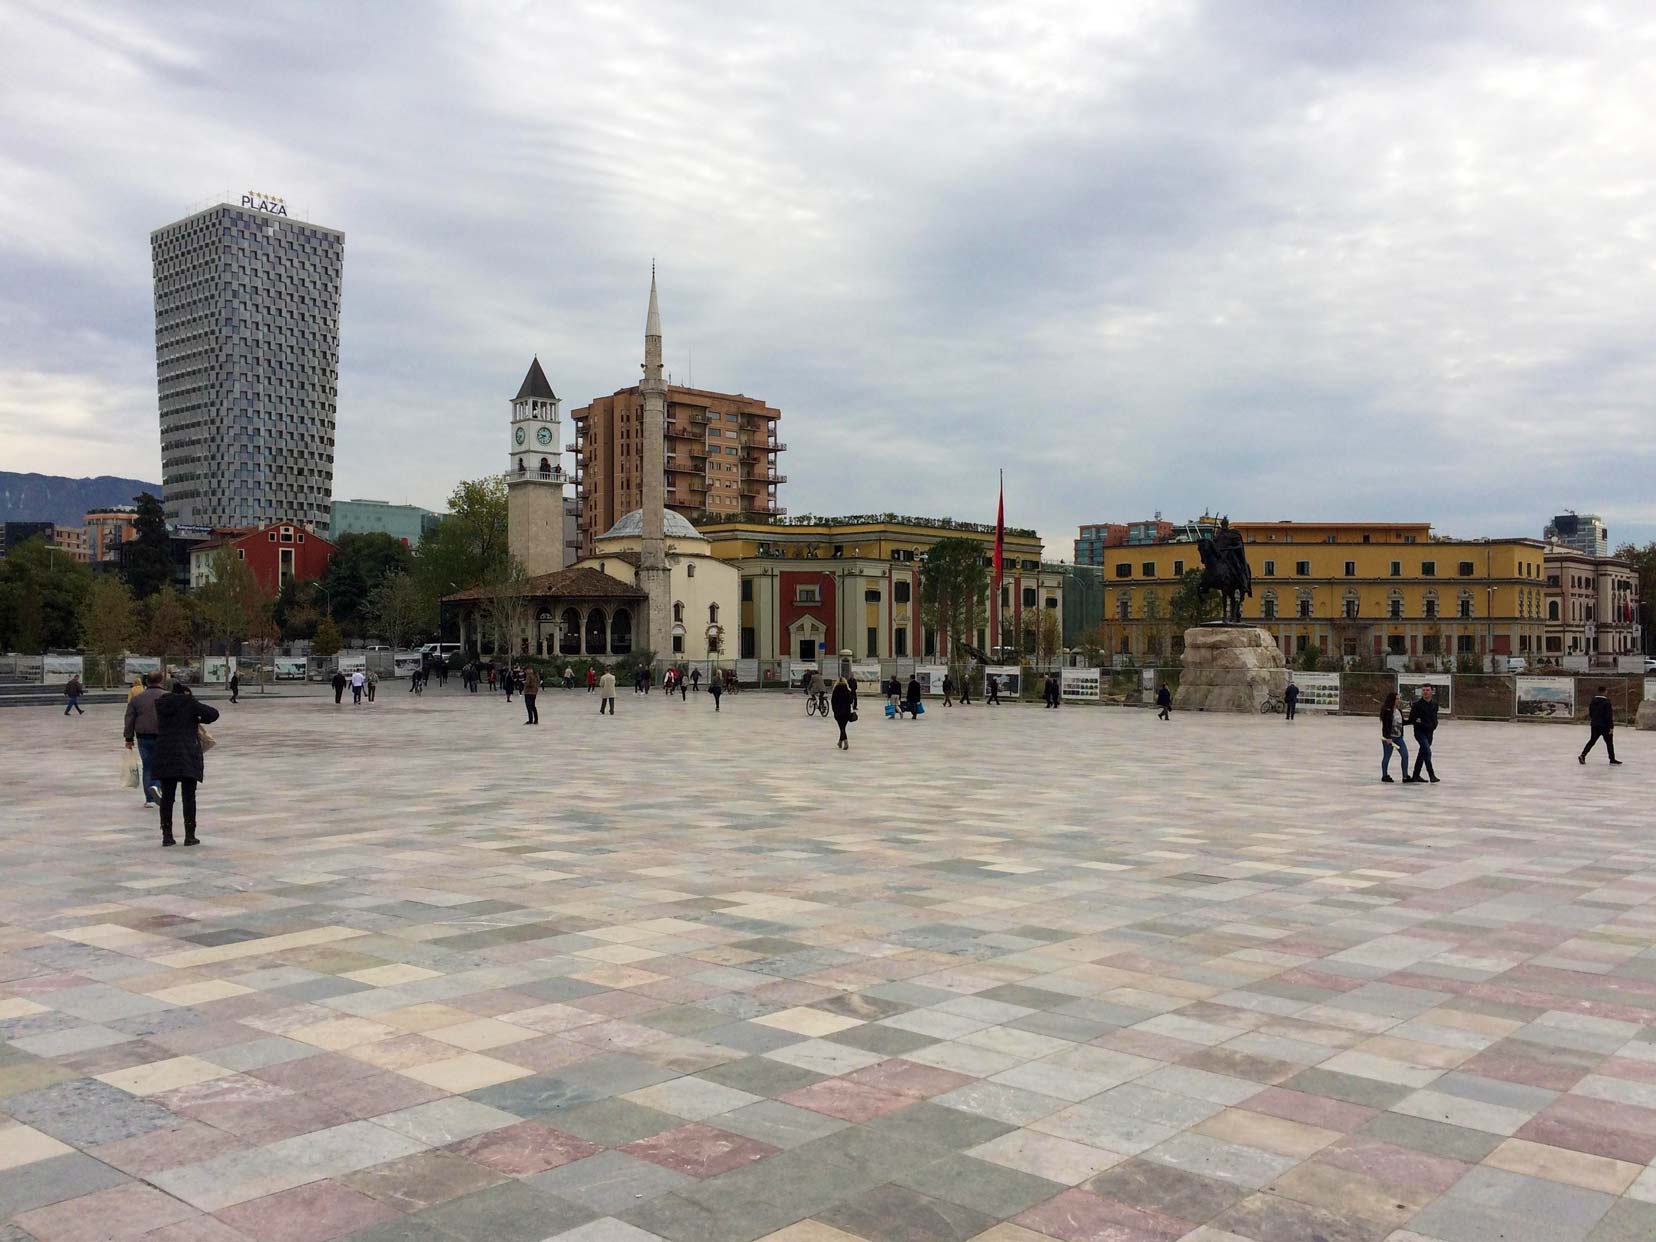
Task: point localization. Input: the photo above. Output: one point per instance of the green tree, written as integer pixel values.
(109, 623)
(298, 609)
(1191, 605)
(168, 631)
(1643, 561)
(42, 590)
(468, 547)
(953, 591)
(359, 564)
(505, 606)
(326, 644)
(146, 563)
(231, 603)
(396, 608)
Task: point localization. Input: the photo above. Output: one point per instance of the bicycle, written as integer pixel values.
(1272, 706)
(817, 703)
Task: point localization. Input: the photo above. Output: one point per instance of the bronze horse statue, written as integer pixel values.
(1225, 569)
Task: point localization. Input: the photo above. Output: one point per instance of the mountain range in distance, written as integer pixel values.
(60, 499)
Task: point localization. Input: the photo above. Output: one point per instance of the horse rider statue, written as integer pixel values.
(1225, 569)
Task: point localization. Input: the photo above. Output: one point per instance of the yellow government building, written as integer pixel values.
(1355, 589)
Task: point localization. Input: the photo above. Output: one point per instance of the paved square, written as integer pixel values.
(999, 973)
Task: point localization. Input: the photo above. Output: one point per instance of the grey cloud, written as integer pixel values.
(1362, 260)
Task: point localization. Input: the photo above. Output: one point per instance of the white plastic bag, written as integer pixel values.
(129, 769)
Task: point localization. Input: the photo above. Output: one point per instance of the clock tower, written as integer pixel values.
(535, 477)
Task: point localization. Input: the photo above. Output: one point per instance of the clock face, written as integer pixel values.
(520, 435)
(544, 435)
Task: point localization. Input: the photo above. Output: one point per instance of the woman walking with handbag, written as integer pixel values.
(840, 701)
(1391, 735)
(178, 755)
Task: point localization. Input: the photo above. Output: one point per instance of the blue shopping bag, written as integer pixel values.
(891, 711)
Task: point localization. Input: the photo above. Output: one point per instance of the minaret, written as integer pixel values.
(653, 577)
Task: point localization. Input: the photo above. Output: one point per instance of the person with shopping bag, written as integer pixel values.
(180, 745)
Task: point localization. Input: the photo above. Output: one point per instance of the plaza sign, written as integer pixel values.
(269, 203)
(1318, 691)
(1078, 685)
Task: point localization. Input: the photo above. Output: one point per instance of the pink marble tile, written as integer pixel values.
(615, 1036)
(493, 1003)
(550, 1052)
(792, 992)
(149, 1153)
(231, 1089)
(196, 1229)
(700, 1151)
(616, 1004)
(1312, 1110)
(1596, 1140)
(106, 1216)
(312, 1213)
(908, 1078)
(203, 1038)
(1081, 1216)
(266, 1121)
(1393, 1166)
(849, 1101)
(1145, 1044)
(1510, 1064)
(676, 991)
(310, 1073)
(378, 1093)
(115, 1057)
(527, 1147)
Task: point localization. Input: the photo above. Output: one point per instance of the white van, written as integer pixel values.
(434, 651)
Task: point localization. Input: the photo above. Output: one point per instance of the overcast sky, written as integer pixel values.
(1286, 260)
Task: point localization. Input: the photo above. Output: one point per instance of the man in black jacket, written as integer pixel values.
(1423, 715)
(1602, 717)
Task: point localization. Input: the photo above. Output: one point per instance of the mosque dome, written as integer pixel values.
(674, 526)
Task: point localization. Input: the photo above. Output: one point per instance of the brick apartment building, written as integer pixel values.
(721, 452)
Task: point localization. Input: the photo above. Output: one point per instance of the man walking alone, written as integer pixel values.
(1290, 700)
(606, 692)
(1602, 717)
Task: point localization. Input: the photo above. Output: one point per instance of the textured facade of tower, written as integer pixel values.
(247, 364)
(652, 568)
(535, 478)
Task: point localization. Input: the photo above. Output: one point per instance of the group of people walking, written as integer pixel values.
(165, 728)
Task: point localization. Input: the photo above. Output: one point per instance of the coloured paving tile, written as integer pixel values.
(1003, 974)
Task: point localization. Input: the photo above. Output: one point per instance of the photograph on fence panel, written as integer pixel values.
(1546, 698)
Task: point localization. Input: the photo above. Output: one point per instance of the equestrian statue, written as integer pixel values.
(1225, 569)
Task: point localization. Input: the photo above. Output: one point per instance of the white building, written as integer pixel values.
(706, 592)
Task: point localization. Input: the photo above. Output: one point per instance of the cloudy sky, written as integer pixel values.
(1287, 260)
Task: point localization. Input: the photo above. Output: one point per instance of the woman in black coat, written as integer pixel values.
(178, 757)
(840, 701)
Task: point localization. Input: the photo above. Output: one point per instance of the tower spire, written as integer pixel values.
(653, 574)
(652, 321)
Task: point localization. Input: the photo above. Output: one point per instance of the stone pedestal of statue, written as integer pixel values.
(1229, 668)
(1646, 719)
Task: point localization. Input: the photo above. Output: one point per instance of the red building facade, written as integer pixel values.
(277, 554)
